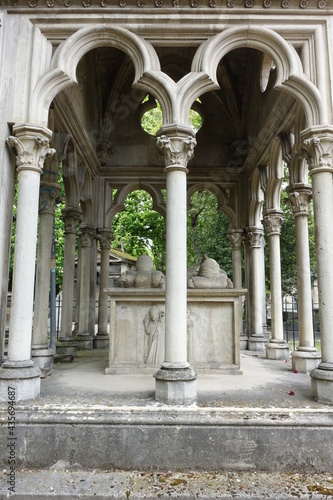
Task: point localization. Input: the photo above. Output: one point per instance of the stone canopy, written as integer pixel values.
(76, 78)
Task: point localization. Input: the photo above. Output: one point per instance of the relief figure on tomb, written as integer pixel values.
(153, 325)
(145, 276)
(208, 275)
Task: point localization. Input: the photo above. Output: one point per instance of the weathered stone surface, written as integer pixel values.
(212, 339)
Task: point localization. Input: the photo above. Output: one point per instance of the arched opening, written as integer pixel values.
(208, 231)
(138, 229)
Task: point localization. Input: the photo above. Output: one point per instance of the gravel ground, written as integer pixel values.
(65, 484)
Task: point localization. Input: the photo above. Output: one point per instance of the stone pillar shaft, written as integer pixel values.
(84, 338)
(256, 339)
(66, 345)
(31, 153)
(176, 381)
(176, 285)
(235, 237)
(318, 151)
(299, 197)
(19, 346)
(101, 340)
(32, 146)
(42, 355)
(272, 221)
(323, 211)
(276, 348)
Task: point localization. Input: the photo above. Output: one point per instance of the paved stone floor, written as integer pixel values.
(264, 384)
(61, 484)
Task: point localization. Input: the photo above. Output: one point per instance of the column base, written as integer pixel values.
(84, 342)
(257, 343)
(322, 383)
(277, 350)
(305, 361)
(43, 359)
(24, 382)
(243, 342)
(176, 386)
(101, 341)
(67, 347)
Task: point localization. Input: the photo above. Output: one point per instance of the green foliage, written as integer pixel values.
(59, 234)
(138, 229)
(152, 120)
(207, 232)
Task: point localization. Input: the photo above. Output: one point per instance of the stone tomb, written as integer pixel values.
(137, 330)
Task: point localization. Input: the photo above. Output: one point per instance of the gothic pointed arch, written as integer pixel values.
(62, 72)
(119, 201)
(223, 202)
(290, 76)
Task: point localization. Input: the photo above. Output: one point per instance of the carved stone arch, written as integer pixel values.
(62, 72)
(290, 76)
(275, 176)
(256, 199)
(119, 201)
(70, 176)
(86, 195)
(223, 202)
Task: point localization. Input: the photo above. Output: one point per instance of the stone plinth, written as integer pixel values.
(212, 336)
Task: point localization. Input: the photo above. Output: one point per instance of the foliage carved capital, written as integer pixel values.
(48, 196)
(317, 150)
(178, 151)
(71, 218)
(105, 237)
(32, 146)
(235, 238)
(87, 234)
(300, 201)
(254, 237)
(273, 222)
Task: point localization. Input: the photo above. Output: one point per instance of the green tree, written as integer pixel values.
(207, 232)
(138, 229)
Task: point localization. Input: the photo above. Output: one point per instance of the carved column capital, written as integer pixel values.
(317, 149)
(235, 237)
(105, 237)
(254, 236)
(178, 149)
(32, 146)
(273, 222)
(48, 195)
(299, 197)
(71, 218)
(87, 234)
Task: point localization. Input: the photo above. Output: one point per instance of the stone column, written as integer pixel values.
(317, 149)
(277, 347)
(176, 380)
(257, 339)
(66, 344)
(42, 355)
(31, 143)
(101, 341)
(235, 237)
(305, 357)
(84, 338)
